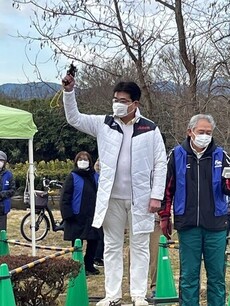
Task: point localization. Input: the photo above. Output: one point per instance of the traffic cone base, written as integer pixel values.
(77, 293)
(165, 285)
(6, 290)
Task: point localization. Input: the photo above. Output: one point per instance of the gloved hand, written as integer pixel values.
(228, 184)
(166, 227)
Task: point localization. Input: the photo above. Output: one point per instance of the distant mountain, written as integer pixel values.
(165, 86)
(28, 91)
(220, 86)
(47, 90)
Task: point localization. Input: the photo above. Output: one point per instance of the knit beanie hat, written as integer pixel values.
(3, 156)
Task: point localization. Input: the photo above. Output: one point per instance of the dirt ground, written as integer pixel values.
(95, 283)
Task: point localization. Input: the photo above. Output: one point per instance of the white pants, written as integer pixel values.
(117, 215)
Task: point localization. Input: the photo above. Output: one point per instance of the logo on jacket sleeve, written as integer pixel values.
(218, 163)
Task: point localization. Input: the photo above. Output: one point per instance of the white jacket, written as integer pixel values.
(148, 161)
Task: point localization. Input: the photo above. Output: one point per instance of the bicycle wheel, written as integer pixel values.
(42, 226)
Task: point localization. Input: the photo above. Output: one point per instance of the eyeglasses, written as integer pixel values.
(122, 100)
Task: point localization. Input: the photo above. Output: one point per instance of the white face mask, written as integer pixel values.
(83, 164)
(121, 110)
(1, 164)
(202, 140)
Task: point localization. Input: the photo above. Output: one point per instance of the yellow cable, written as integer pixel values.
(55, 99)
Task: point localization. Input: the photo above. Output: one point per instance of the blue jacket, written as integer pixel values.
(196, 189)
(77, 203)
(180, 156)
(7, 190)
(78, 183)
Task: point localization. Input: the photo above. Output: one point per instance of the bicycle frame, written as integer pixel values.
(51, 217)
(45, 220)
(42, 211)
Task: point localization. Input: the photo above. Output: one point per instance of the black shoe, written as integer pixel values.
(98, 263)
(59, 228)
(92, 271)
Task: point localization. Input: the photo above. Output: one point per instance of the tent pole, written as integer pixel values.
(32, 200)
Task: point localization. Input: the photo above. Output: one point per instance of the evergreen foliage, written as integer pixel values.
(55, 139)
(52, 170)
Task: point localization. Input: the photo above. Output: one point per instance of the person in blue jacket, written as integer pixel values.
(197, 189)
(7, 190)
(77, 204)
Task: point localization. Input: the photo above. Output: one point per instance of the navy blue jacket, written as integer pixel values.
(197, 187)
(7, 190)
(78, 187)
(77, 204)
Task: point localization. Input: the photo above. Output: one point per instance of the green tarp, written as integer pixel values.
(16, 123)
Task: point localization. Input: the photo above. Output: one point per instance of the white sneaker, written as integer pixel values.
(109, 302)
(139, 301)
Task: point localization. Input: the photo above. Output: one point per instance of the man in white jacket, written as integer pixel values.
(131, 185)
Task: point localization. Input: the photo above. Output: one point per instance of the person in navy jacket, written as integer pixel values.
(7, 190)
(197, 189)
(77, 204)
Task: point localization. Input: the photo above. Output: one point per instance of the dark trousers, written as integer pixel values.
(3, 222)
(194, 243)
(228, 230)
(90, 252)
(100, 246)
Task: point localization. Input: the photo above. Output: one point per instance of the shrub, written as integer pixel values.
(53, 169)
(42, 284)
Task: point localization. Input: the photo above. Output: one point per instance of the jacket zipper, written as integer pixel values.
(198, 191)
(131, 170)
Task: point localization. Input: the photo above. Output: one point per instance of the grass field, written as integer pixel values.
(95, 283)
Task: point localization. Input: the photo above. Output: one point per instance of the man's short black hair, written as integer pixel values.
(129, 87)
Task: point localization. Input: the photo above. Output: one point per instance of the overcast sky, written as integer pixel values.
(14, 66)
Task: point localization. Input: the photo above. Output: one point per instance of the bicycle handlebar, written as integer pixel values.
(51, 184)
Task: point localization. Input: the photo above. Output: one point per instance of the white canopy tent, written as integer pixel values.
(18, 124)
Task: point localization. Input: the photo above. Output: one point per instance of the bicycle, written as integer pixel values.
(44, 219)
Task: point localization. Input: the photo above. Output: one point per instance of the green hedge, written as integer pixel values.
(53, 170)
